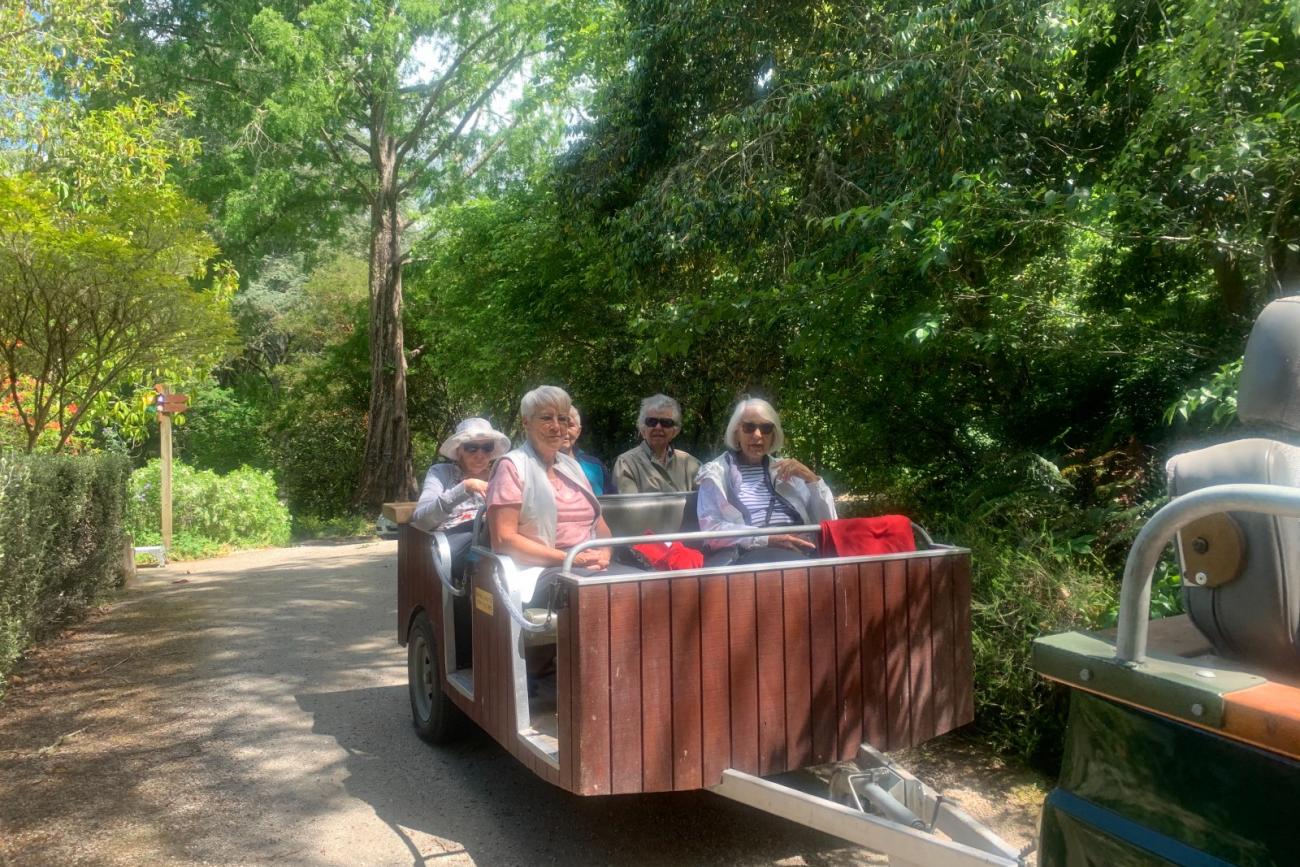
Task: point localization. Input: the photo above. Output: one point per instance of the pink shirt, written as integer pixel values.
(575, 513)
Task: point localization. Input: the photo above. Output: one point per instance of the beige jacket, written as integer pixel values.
(637, 472)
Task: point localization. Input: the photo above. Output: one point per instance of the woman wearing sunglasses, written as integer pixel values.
(654, 465)
(454, 490)
(746, 487)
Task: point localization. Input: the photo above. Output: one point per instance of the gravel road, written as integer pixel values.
(253, 710)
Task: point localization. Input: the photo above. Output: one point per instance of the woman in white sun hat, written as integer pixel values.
(453, 491)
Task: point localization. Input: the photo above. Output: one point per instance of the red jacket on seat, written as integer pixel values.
(855, 537)
(675, 556)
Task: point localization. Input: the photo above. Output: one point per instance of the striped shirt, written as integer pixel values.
(757, 496)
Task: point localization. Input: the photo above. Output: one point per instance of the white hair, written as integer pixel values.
(575, 417)
(763, 409)
(542, 396)
(659, 401)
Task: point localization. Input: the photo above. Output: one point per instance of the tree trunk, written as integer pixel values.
(386, 473)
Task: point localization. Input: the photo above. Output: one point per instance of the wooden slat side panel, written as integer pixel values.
(963, 662)
(566, 647)
(771, 673)
(848, 661)
(825, 690)
(897, 696)
(875, 712)
(920, 670)
(687, 715)
(743, 661)
(798, 669)
(941, 644)
(656, 688)
(715, 679)
(625, 688)
(591, 723)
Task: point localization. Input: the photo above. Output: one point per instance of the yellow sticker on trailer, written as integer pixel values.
(483, 600)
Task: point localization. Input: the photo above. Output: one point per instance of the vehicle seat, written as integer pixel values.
(638, 514)
(1241, 574)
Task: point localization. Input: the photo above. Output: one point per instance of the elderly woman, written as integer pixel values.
(654, 465)
(454, 491)
(746, 487)
(540, 503)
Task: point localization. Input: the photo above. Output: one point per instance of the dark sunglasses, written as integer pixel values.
(471, 448)
(652, 421)
(765, 426)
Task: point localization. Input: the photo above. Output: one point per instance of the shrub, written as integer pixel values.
(1025, 585)
(223, 432)
(61, 540)
(209, 512)
(317, 448)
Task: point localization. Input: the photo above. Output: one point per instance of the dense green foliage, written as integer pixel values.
(211, 513)
(994, 261)
(981, 254)
(61, 541)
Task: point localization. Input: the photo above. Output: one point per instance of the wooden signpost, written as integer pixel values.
(167, 404)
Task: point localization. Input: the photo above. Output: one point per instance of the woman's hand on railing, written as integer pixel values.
(595, 559)
(790, 541)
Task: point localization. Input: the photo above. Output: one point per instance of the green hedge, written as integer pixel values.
(210, 513)
(61, 537)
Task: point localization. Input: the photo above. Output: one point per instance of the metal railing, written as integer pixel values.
(1135, 593)
(696, 536)
(503, 574)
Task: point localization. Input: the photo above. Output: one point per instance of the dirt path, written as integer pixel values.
(253, 709)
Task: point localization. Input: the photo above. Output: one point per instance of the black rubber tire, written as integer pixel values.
(436, 717)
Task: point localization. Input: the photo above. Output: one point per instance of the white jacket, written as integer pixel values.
(719, 508)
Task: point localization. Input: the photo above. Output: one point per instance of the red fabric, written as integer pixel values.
(673, 556)
(855, 537)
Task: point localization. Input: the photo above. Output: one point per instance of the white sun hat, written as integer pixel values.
(474, 430)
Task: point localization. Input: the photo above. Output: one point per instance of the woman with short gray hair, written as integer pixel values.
(654, 465)
(745, 487)
(539, 501)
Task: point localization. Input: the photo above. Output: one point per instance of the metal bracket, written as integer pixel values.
(879, 805)
(1180, 688)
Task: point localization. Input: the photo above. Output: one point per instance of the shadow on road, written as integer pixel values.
(474, 793)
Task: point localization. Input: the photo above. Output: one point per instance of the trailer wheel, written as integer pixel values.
(436, 718)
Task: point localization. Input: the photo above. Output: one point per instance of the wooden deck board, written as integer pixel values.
(825, 690)
(798, 668)
(875, 713)
(656, 688)
(771, 672)
(897, 681)
(742, 634)
(591, 725)
(919, 665)
(625, 688)
(715, 679)
(688, 736)
(848, 655)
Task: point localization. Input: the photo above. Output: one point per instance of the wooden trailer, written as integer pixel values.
(709, 678)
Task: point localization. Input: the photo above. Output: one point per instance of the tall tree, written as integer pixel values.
(324, 108)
